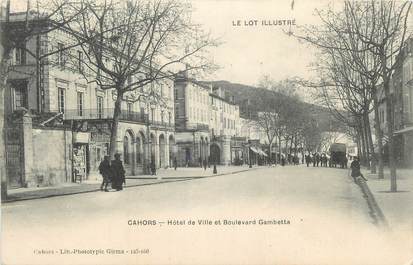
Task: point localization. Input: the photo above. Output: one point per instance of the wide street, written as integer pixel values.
(312, 216)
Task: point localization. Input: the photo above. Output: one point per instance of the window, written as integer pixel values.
(99, 103)
(80, 102)
(176, 93)
(20, 55)
(61, 99)
(152, 114)
(142, 113)
(130, 108)
(169, 118)
(61, 60)
(20, 97)
(162, 117)
(80, 61)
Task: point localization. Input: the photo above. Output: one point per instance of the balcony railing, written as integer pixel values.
(197, 126)
(98, 114)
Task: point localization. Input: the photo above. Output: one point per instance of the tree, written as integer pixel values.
(15, 31)
(385, 39)
(343, 37)
(131, 46)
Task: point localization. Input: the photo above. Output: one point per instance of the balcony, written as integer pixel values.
(162, 124)
(197, 126)
(103, 114)
(107, 114)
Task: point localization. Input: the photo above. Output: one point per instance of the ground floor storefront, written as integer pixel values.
(40, 154)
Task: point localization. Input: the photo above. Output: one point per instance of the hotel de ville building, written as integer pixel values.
(58, 123)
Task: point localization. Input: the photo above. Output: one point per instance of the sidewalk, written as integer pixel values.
(163, 176)
(397, 206)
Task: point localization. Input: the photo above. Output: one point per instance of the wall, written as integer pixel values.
(51, 156)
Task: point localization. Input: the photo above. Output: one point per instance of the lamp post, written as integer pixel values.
(214, 171)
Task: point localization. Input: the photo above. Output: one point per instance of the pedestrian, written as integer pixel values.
(355, 169)
(105, 171)
(307, 159)
(314, 159)
(118, 173)
(205, 164)
(153, 166)
(175, 163)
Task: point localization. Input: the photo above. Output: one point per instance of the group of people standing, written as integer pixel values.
(317, 159)
(112, 172)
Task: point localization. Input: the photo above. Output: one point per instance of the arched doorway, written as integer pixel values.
(153, 149)
(140, 152)
(128, 152)
(215, 153)
(172, 151)
(162, 153)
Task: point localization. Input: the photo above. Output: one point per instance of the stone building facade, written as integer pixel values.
(206, 120)
(61, 106)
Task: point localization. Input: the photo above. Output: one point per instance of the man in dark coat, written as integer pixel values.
(308, 159)
(105, 171)
(118, 173)
(175, 163)
(355, 168)
(153, 166)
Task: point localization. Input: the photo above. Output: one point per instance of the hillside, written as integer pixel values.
(249, 98)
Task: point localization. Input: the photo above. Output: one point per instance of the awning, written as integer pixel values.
(408, 129)
(254, 149)
(263, 153)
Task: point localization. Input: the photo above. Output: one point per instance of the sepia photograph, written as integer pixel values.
(190, 132)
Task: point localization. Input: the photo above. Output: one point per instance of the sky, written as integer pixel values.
(249, 52)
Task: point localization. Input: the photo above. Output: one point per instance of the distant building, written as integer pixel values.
(206, 121)
(403, 114)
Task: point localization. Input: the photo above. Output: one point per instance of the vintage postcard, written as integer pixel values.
(206, 132)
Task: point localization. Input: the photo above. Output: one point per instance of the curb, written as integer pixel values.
(162, 181)
(375, 210)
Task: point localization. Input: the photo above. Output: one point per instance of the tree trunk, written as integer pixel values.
(270, 146)
(379, 134)
(363, 144)
(3, 85)
(370, 142)
(115, 123)
(389, 112)
(279, 148)
(358, 142)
